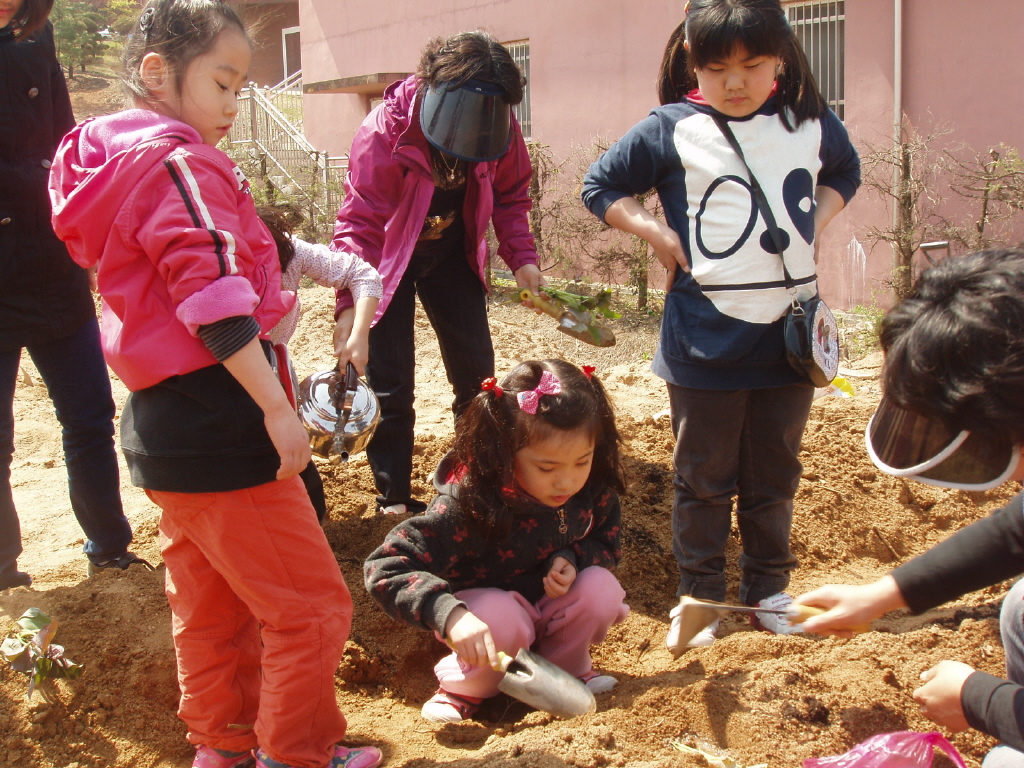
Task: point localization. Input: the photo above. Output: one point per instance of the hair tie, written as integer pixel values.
(146, 20)
(529, 399)
(491, 385)
(686, 8)
(588, 370)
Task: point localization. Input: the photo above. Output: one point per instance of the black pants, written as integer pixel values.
(454, 300)
(315, 488)
(744, 444)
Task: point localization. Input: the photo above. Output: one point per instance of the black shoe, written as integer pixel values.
(15, 579)
(122, 563)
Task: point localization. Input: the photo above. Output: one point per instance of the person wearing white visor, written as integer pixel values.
(952, 415)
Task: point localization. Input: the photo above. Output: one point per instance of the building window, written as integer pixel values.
(819, 28)
(520, 51)
(291, 51)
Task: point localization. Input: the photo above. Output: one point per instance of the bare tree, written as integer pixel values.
(574, 241)
(907, 176)
(993, 184)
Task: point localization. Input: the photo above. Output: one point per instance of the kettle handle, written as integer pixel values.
(351, 378)
(351, 384)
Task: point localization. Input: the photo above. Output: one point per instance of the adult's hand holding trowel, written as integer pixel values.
(850, 608)
(529, 277)
(471, 639)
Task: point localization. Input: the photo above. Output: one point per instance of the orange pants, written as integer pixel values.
(260, 614)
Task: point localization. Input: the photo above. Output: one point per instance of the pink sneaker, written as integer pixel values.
(344, 757)
(208, 757)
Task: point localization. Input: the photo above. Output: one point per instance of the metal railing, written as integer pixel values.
(265, 128)
(287, 97)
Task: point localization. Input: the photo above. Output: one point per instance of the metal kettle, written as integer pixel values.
(339, 412)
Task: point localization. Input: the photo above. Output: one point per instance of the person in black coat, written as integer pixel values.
(45, 303)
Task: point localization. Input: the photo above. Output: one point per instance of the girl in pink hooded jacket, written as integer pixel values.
(191, 286)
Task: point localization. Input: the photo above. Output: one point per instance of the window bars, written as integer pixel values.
(819, 26)
(520, 50)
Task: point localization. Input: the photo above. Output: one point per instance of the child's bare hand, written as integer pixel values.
(291, 441)
(559, 578)
(669, 250)
(355, 351)
(471, 639)
(343, 329)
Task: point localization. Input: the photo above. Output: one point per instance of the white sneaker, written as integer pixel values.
(703, 638)
(775, 623)
(706, 636)
(392, 509)
(600, 683)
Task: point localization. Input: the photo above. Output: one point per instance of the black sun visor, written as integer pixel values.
(472, 122)
(908, 444)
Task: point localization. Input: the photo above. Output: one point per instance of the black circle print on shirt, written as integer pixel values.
(797, 194)
(706, 252)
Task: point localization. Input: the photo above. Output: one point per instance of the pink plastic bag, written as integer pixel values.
(903, 749)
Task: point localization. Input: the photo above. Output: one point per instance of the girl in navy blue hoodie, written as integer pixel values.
(738, 407)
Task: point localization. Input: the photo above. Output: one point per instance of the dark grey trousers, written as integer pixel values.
(743, 444)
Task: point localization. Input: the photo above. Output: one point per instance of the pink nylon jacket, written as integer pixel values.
(171, 227)
(389, 186)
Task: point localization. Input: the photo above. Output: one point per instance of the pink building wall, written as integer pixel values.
(958, 71)
(593, 66)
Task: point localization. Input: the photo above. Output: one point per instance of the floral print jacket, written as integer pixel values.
(427, 558)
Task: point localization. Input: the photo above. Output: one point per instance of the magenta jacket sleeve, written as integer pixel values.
(512, 203)
(195, 238)
(373, 187)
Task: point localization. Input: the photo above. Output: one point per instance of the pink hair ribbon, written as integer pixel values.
(548, 385)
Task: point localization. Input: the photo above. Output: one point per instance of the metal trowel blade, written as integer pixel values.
(694, 615)
(579, 326)
(536, 681)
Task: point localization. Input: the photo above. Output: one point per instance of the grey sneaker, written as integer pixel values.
(121, 563)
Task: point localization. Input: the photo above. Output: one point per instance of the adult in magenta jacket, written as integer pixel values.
(430, 167)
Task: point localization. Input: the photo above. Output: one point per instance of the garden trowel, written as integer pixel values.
(577, 323)
(536, 681)
(695, 614)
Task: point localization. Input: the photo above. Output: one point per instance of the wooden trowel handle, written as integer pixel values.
(801, 613)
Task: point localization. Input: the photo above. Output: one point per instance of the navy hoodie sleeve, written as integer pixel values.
(840, 164)
(632, 166)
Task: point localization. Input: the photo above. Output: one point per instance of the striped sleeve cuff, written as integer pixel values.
(225, 337)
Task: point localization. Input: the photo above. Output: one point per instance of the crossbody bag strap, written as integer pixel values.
(759, 198)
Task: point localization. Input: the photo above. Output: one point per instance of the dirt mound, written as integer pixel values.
(757, 697)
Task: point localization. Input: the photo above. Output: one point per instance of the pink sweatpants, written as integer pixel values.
(560, 629)
(260, 614)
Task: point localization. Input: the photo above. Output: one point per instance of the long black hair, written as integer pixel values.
(493, 428)
(178, 30)
(713, 29)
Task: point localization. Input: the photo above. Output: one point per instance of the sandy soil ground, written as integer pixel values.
(754, 697)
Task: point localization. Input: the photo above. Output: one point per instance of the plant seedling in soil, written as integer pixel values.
(29, 648)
